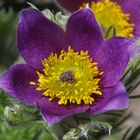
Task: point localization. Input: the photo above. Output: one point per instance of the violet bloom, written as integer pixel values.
(67, 72)
(124, 15)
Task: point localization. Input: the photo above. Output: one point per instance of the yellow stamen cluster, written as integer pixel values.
(71, 77)
(109, 14)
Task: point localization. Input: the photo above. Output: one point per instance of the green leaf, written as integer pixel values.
(134, 135)
(131, 77)
(121, 120)
(134, 96)
(110, 32)
(126, 133)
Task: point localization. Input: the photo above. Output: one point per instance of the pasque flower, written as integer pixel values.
(122, 14)
(67, 72)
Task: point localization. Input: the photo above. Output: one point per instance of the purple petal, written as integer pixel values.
(114, 98)
(132, 7)
(38, 37)
(16, 83)
(52, 112)
(73, 5)
(112, 58)
(83, 32)
(120, 2)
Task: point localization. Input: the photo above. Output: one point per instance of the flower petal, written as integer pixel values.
(73, 5)
(120, 2)
(38, 37)
(83, 32)
(112, 58)
(52, 112)
(114, 98)
(16, 83)
(132, 7)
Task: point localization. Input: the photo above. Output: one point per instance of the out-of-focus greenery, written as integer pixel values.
(131, 77)
(23, 131)
(32, 132)
(18, 5)
(8, 52)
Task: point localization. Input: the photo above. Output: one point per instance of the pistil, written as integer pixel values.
(67, 77)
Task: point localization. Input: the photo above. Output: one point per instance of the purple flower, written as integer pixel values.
(67, 72)
(73, 5)
(124, 15)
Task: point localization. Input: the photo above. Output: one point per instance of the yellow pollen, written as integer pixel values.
(109, 14)
(32, 83)
(71, 78)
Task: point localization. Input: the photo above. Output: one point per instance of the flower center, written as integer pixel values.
(67, 77)
(109, 14)
(72, 77)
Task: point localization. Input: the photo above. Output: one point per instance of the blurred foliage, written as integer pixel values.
(8, 52)
(88, 131)
(32, 132)
(134, 135)
(24, 129)
(18, 5)
(131, 77)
